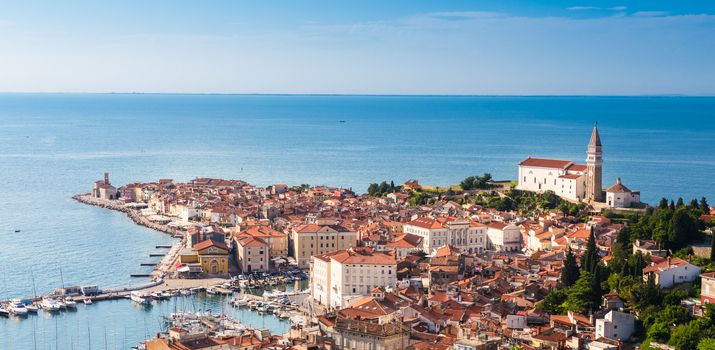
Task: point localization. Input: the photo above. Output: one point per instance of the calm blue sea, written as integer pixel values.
(55, 145)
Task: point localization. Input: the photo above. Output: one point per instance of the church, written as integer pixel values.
(571, 181)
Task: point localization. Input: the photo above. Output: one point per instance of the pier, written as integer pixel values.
(163, 246)
(148, 264)
(156, 254)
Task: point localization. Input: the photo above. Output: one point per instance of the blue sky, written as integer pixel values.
(363, 47)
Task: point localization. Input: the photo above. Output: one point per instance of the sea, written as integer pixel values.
(53, 146)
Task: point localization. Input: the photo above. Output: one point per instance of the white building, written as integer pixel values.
(670, 272)
(339, 277)
(567, 179)
(619, 196)
(615, 325)
(468, 236)
(503, 237)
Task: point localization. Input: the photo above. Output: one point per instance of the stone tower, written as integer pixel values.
(594, 163)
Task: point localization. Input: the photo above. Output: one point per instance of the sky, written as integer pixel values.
(501, 47)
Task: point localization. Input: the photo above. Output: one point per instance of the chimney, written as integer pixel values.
(106, 178)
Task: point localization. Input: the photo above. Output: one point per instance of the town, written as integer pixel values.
(552, 261)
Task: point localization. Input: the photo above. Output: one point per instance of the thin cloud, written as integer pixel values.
(618, 8)
(583, 8)
(650, 14)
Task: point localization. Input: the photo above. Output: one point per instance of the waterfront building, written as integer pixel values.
(103, 189)
(576, 182)
(619, 196)
(314, 239)
(468, 236)
(213, 256)
(277, 241)
(252, 253)
(339, 277)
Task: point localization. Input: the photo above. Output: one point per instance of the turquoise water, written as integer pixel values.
(55, 145)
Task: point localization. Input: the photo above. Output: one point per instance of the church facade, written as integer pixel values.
(576, 182)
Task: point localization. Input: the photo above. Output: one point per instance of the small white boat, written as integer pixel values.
(70, 303)
(4, 311)
(87, 301)
(17, 309)
(212, 291)
(138, 298)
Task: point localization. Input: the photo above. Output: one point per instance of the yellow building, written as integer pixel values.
(311, 239)
(213, 256)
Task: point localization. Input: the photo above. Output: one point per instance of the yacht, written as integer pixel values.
(138, 298)
(50, 305)
(17, 309)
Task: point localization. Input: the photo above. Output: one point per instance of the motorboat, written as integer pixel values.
(51, 305)
(32, 308)
(87, 301)
(4, 312)
(17, 309)
(70, 303)
(138, 298)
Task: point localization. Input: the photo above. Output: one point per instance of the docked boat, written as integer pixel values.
(51, 305)
(17, 309)
(87, 301)
(138, 298)
(32, 308)
(70, 303)
(4, 312)
(212, 291)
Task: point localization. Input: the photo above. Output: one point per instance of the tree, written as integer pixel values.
(372, 189)
(570, 272)
(684, 227)
(672, 205)
(687, 335)
(694, 204)
(553, 303)
(704, 206)
(707, 344)
(589, 261)
(383, 188)
(663, 203)
(392, 186)
(581, 295)
(712, 248)
(680, 202)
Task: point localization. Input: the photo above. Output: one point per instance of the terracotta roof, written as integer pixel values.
(618, 187)
(210, 243)
(546, 163)
(665, 265)
(359, 255)
(426, 223)
(570, 176)
(577, 167)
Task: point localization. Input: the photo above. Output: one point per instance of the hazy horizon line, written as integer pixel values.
(340, 94)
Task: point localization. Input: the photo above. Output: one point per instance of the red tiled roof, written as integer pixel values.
(546, 163)
(210, 243)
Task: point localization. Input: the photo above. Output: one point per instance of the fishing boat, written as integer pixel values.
(138, 298)
(17, 309)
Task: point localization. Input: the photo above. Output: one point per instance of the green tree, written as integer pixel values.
(712, 248)
(383, 188)
(694, 204)
(706, 344)
(704, 206)
(687, 335)
(570, 272)
(554, 302)
(684, 228)
(372, 189)
(581, 295)
(590, 258)
(392, 186)
(663, 203)
(679, 203)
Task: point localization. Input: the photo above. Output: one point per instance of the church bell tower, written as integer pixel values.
(594, 163)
